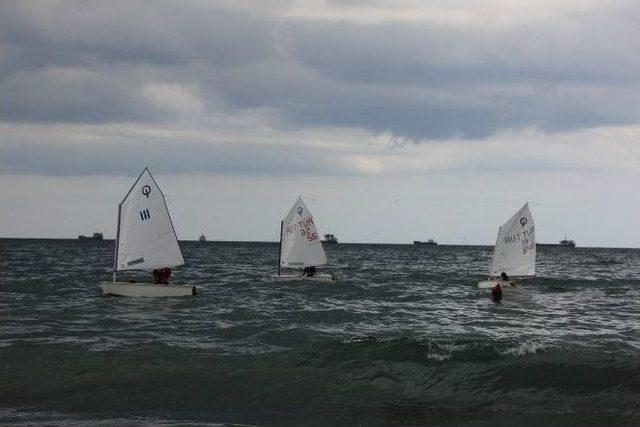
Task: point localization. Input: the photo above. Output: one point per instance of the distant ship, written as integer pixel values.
(429, 242)
(568, 243)
(565, 243)
(330, 238)
(96, 236)
(202, 238)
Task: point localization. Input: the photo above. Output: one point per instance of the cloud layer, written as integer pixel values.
(454, 69)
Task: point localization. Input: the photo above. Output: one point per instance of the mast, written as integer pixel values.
(115, 256)
(280, 247)
(493, 256)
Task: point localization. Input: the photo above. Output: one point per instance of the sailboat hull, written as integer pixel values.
(318, 277)
(146, 290)
(488, 284)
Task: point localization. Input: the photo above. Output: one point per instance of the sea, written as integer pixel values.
(402, 337)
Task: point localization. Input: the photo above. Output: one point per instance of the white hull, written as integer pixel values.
(146, 290)
(318, 277)
(488, 284)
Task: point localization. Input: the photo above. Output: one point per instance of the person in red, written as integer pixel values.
(496, 293)
(161, 276)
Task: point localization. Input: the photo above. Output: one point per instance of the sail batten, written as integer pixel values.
(515, 249)
(300, 244)
(146, 238)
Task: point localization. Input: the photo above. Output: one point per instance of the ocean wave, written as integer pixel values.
(361, 373)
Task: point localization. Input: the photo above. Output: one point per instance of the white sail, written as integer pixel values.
(515, 250)
(146, 238)
(300, 244)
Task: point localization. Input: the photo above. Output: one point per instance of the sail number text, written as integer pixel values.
(305, 227)
(525, 237)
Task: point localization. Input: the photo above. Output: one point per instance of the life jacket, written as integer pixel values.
(496, 290)
(156, 277)
(161, 276)
(166, 273)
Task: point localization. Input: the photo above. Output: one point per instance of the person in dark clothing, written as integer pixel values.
(505, 278)
(161, 276)
(157, 276)
(309, 271)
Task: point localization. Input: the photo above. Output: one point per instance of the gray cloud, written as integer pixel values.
(79, 62)
(75, 95)
(127, 157)
(168, 33)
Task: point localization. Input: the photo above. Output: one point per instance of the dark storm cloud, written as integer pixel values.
(130, 32)
(72, 95)
(87, 62)
(430, 55)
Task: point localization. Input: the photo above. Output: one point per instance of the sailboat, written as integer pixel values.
(515, 250)
(145, 240)
(300, 244)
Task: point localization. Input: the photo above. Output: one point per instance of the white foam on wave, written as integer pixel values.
(439, 357)
(530, 346)
(445, 351)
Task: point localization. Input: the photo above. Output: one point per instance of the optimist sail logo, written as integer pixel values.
(523, 221)
(146, 190)
(299, 210)
(144, 214)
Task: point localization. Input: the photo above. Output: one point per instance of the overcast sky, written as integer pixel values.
(398, 120)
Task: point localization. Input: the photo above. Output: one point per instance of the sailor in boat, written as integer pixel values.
(300, 245)
(309, 271)
(515, 250)
(505, 278)
(161, 276)
(146, 240)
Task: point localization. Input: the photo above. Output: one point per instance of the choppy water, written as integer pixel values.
(403, 337)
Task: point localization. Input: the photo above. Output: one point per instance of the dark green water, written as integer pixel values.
(403, 337)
